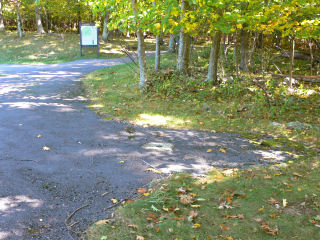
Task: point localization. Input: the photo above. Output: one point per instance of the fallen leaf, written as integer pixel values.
(297, 174)
(237, 216)
(195, 206)
(146, 194)
(46, 148)
(209, 150)
(154, 170)
(170, 230)
(224, 227)
(223, 150)
(142, 190)
(178, 218)
(273, 201)
(193, 214)
(267, 229)
(284, 202)
(138, 237)
(196, 225)
(226, 237)
(114, 201)
(121, 162)
(133, 226)
(182, 190)
(186, 199)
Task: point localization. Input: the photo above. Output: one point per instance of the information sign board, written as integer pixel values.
(89, 36)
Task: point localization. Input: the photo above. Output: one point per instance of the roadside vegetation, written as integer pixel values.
(280, 201)
(55, 48)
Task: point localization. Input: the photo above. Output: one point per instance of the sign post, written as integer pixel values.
(89, 36)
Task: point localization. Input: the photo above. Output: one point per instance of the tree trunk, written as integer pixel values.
(244, 50)
(141, 50)
(79, 15)
(19, 20)
(311, 56)
(38, 19)
(105, 33)
(157, 55)
(214, 58)
(172, 44)
(1, 18)
(291, 63)
(260, 41)
(184, 44)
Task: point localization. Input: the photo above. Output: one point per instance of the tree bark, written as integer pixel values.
(244, 50)
(141, 50)
(157, 55)
(214, 58)
(105, 33)
(184, 44)
(291, 63)
(172, 44)
(38, 19)
(2, 28)
(311, 56)
(19, 20)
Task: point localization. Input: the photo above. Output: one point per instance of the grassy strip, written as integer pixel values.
(279, 202)
(176, 101)
(34, 48)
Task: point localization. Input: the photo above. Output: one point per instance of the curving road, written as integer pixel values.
(90, 160)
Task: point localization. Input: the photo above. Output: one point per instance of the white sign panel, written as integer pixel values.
(89, 35)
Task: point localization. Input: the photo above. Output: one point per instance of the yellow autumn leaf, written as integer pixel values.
(114, 201)
(196, 225)
(223, 150)
(209, 150)
(154, 170)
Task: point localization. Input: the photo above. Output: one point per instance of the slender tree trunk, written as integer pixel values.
(235, 54)
(214, 58)
(311, 56)
(2, 28)
(291, 63)
(141, 50)
(79, 15)
(184, 44)
(157, 55)
(105, 33)
(38, 19)
(260, 41)
(172, 44)
(244, 50)
(19, 20)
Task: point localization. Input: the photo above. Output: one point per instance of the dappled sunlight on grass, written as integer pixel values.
(158, 120)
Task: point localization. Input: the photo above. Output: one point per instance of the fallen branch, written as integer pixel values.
(299, 55)
(313, 79)
(68, 219)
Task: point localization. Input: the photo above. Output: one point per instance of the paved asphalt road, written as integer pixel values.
(40, 189)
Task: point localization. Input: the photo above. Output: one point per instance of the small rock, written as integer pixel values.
(298, 125)
(275, 124)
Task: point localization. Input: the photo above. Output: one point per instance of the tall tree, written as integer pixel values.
(2, 28)
(38, 17)
(172, 43)
(214, 58)
(184, 43)
(141, 48)
(105, 33)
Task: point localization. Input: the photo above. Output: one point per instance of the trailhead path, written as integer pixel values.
(89, 160)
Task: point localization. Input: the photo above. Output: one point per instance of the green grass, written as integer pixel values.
(34, 48)
(176, 101)
(280, 202)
